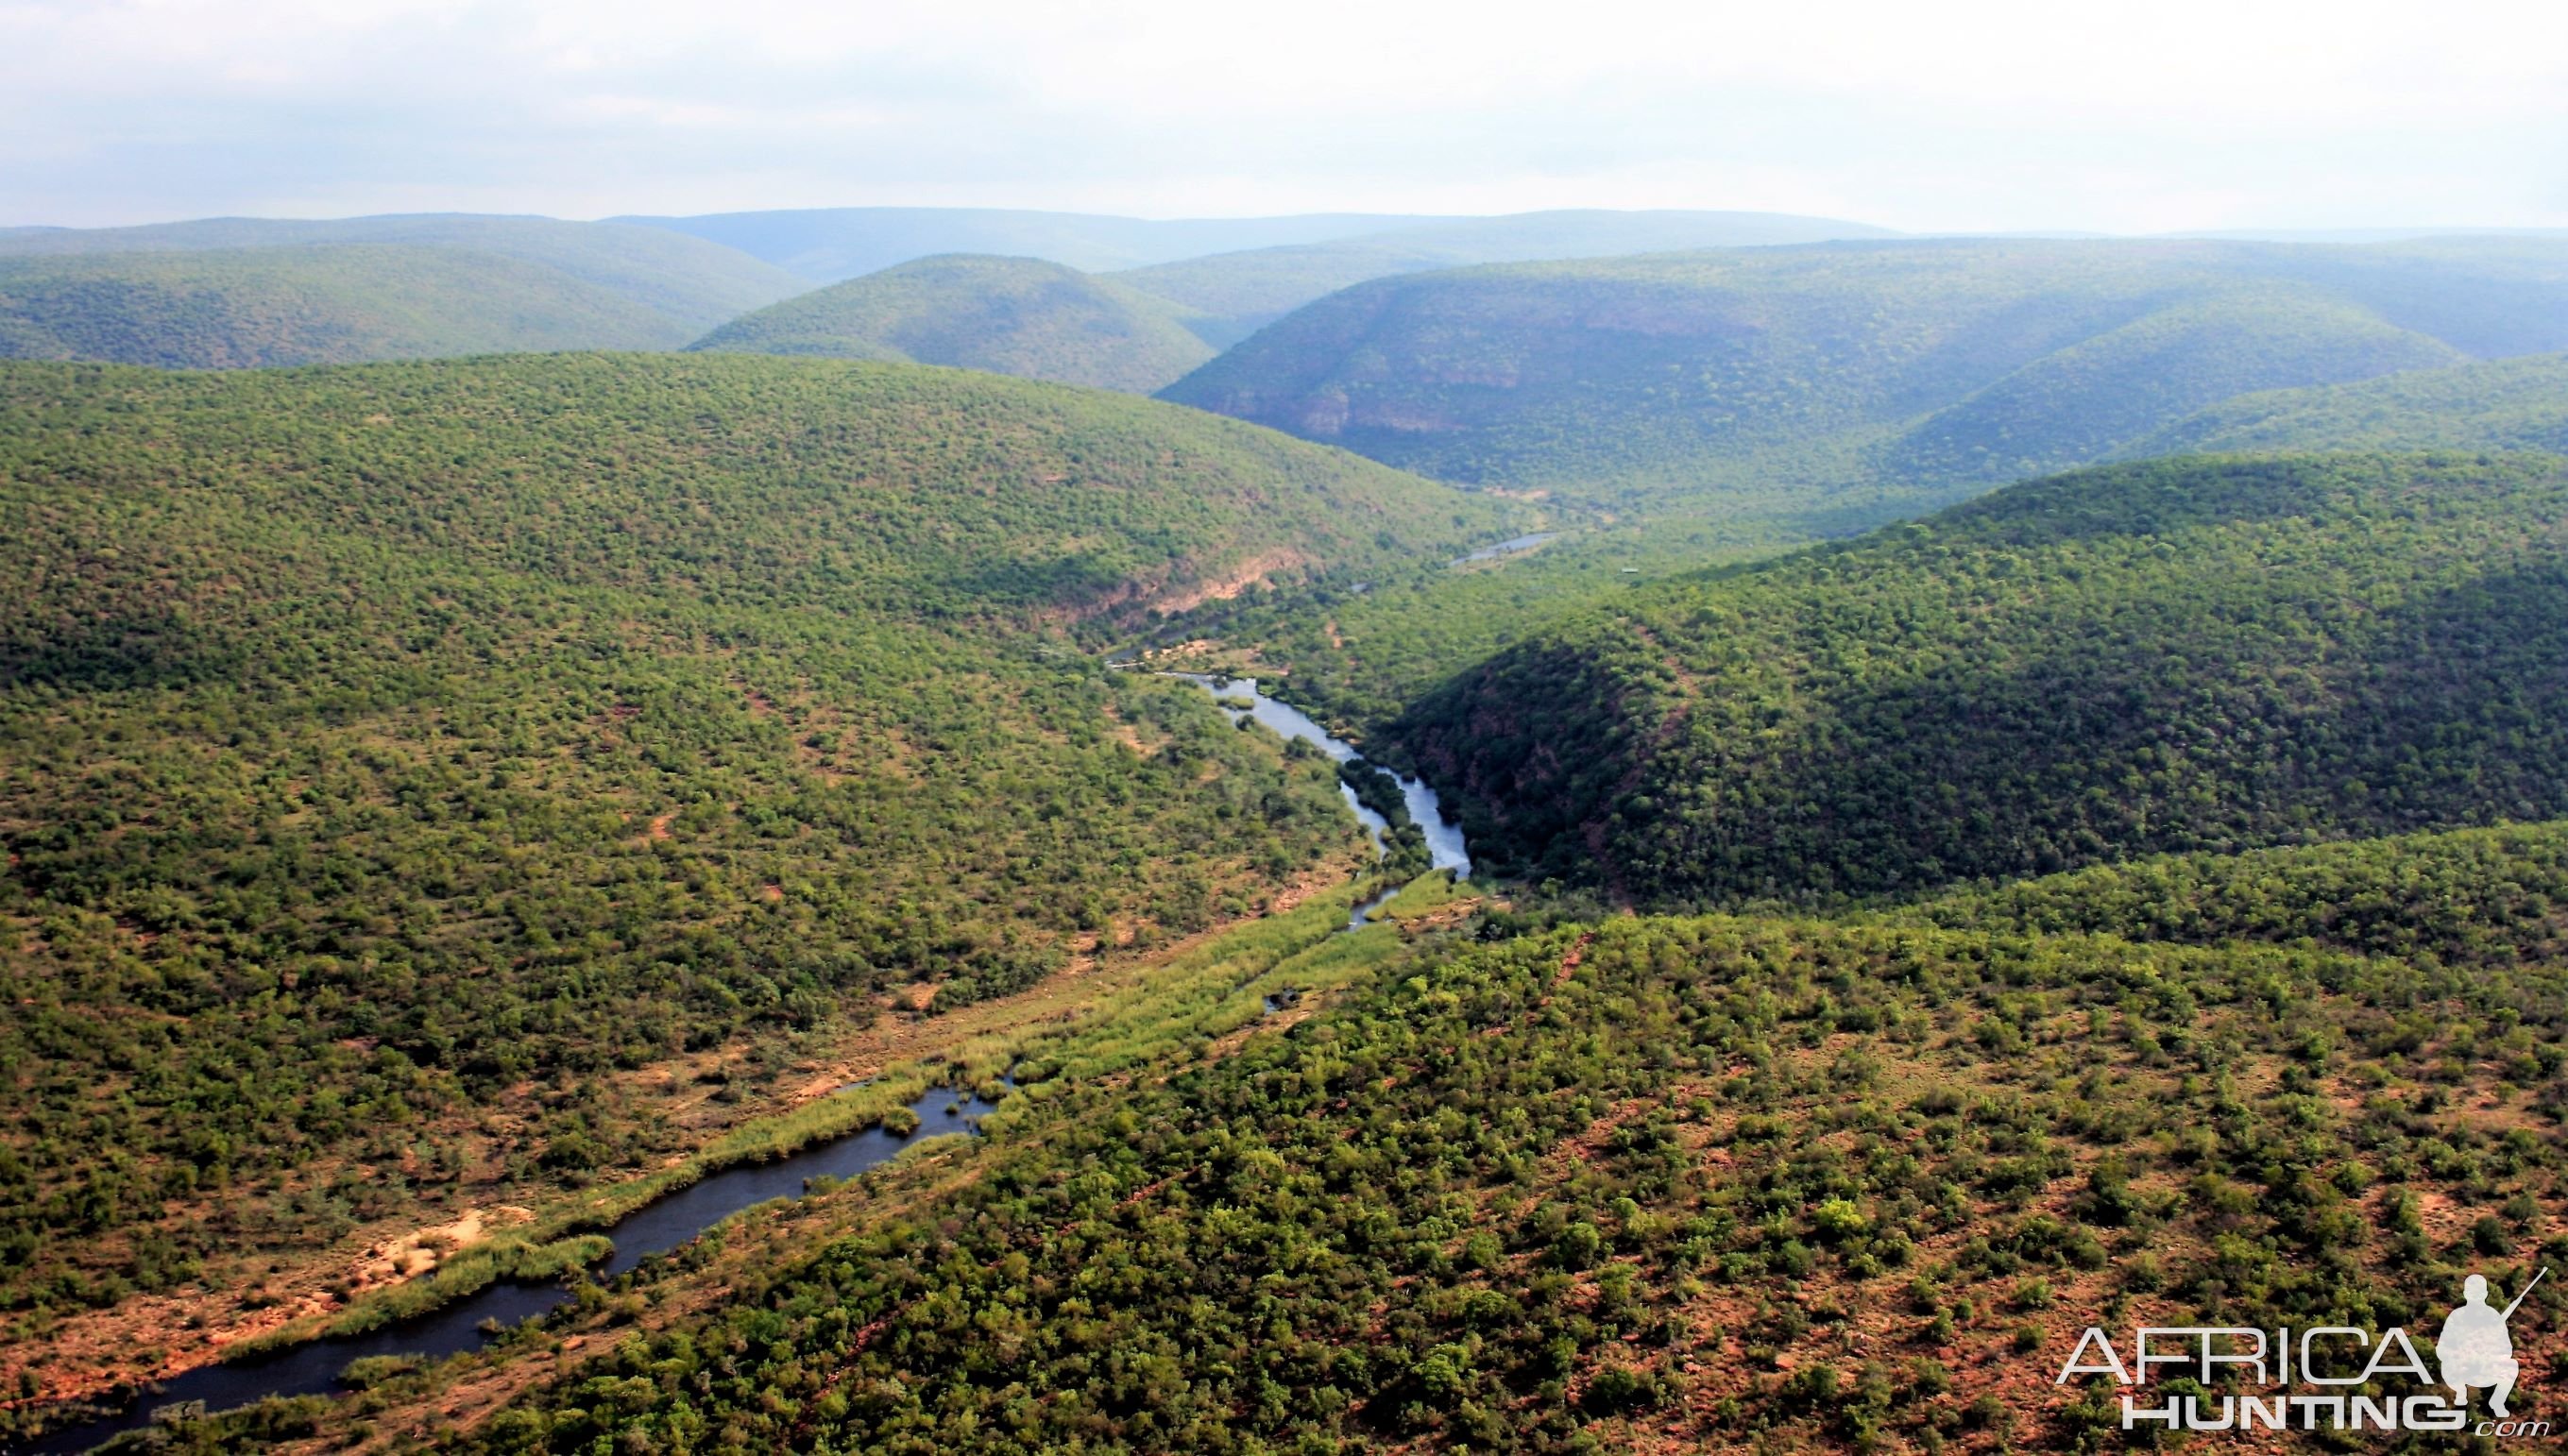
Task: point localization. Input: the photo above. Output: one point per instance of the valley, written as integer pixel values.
(1594, 831)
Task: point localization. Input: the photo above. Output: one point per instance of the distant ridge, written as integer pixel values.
(1766, 383)
(693, 284)
(259, 308)
(828, 244)
(833, 243)
(1018, 316)
(1239, 293)
(2359, 235)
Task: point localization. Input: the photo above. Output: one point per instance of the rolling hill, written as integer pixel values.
(447, 804)
(692, 284)
(1236, 294)
(2187, 655)
(828, 244)
(1243, 261)
(1018, 316)
(271, 307)
(415, 778)
(2505, 405)
(1791, 381)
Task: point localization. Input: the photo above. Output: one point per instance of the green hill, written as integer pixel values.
(1638, 1183)
(690, 283)
(2176, 656)
(1230, 295)
(2505, 404)
(436, 767)
(292, 306)
(2483, 898)
(1817, 383)
(1239, 293)
(2089, 401)
(1018, 316)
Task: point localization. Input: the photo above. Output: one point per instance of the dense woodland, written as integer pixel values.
(2182, 655)
(1362, 657)
(2138, 894)
(1723, 1181)
(2518, 404)
(355, 770)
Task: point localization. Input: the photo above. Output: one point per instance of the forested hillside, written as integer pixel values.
(2487, 898)
(409, 773)
(2506, 403)
(690, 283)
(2183, 654)
(446, 806)
(1720, 1182)
(1794, 385)
(1018, 316)
(293, 306)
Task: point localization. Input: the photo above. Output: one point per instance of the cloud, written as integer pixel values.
(1988, 114)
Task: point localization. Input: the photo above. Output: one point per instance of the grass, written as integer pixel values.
(1426, 895)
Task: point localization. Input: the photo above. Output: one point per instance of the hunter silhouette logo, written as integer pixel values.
(2474, 1348)
(2308, 1378)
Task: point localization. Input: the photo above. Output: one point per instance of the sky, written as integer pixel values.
(1959, 116)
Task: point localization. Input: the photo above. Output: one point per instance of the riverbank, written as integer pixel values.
(1187, 1003)
(1098, 1019)
(1196, 998)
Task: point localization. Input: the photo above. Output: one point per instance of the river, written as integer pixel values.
(312, 1368)
(1444, 847)
(1508, 548)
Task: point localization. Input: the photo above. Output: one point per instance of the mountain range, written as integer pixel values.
(1771, 380)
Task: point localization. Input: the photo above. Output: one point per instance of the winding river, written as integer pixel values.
(1444, 847)
(313, 1366)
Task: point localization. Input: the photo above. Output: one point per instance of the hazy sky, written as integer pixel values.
(1963, 115)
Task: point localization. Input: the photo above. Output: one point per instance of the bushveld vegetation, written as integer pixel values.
(282, 306)
(1566, 1185)
(2185, 655)
(2059, 911)
(2506, 404)
(393, 756)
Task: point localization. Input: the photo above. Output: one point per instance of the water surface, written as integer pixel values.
(312, 1368)
(1508, 548)
(1444, 847)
